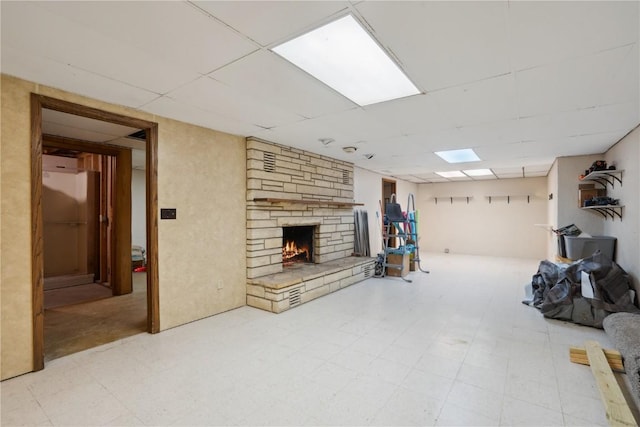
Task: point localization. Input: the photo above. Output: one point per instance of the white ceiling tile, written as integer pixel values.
(414, 114)
(48, 35)
(168, 107)
(346, 128)
(546, 32)
(489, 100)
(72, 126)
(443, 44)
(210, 95)
(72, 79)
(268, 22)
(544, 169)
(484, 178)
(535, 174)
(570, 85)
(273, 80)
(176, 31)
(509, 175)
(100, 128)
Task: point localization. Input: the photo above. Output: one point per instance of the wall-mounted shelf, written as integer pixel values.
(452, 198)
(605, 177)
(509, 197)
(306, 202)
(607, 210)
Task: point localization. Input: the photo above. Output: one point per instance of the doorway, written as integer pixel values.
(120, 251)
(388, 190)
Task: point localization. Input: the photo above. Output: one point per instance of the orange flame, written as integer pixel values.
(291, 250)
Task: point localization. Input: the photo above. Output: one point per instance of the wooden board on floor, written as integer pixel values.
(579, 355)
(616, 407)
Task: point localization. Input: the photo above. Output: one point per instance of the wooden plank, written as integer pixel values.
(616, 408)
(305, 202)
(579, 355)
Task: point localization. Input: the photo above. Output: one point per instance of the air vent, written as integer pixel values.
(369, 270)
(269, 162)
(294, 297)
(345, 176)
(141, 135)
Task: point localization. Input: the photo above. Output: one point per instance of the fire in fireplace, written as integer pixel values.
(297, 244)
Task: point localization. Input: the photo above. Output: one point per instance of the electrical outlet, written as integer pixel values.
(446, 250)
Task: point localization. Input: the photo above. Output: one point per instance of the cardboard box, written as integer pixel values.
(588, 194)
(400, 260)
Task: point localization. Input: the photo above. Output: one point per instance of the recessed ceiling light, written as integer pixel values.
(459, 156)
(452, 174)
(349, 149)
(344, 56)
(478, 172)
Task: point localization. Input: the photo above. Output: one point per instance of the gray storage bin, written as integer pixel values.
(581, 247)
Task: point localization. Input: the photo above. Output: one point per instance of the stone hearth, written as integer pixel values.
(301, 283)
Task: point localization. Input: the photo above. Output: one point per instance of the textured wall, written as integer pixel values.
(201, 262)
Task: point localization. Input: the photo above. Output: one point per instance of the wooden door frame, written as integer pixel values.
(38, 102)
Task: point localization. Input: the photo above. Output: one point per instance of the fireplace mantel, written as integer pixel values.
(306, 202)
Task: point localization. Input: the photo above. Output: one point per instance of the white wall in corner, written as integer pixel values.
(569, 212)
(500, 228)
(138, 208)
(626, 155)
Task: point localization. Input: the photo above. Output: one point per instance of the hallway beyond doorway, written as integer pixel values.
(76, 327)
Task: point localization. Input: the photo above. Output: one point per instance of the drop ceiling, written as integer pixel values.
(519, 82)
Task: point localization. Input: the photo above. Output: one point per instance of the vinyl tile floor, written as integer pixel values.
(454, 347)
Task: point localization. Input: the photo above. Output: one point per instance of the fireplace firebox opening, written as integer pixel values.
(297, 244)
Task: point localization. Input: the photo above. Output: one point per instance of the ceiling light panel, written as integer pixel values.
(459, 156)
(452, 174)
(478, 172)
(345, 57)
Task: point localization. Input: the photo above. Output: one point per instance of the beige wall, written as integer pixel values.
(499, 228)
(367, 187)
(626, 155)
(201, 254)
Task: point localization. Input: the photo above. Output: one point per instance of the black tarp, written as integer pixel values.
(557, 290)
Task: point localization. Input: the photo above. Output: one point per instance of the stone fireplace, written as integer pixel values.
(289, 189)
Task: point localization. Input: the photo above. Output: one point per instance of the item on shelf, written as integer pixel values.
(587, 192)
(598, 165)
(601, 201)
